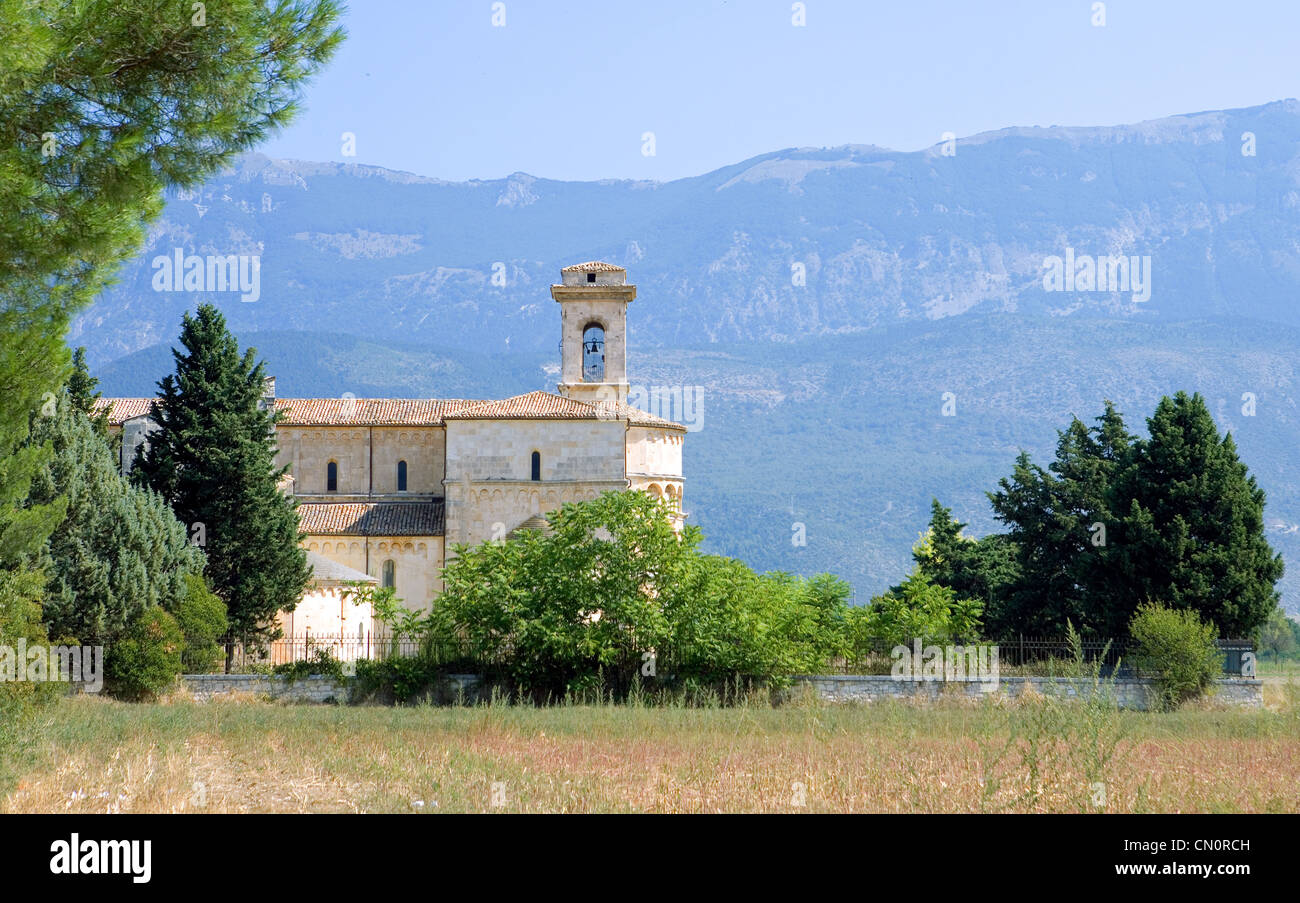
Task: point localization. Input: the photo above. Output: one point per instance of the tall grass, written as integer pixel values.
(683, 755)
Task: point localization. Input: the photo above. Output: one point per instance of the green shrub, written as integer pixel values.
(201, 616)
(21, 593)
(612, 596)
(147, 660)
(1179, 648)
(321, 662)
(917, 609)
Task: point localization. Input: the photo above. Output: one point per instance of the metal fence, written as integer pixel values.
(307, 647)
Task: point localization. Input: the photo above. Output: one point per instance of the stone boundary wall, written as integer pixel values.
(1131, 693)
(316, 688)
(305, 689)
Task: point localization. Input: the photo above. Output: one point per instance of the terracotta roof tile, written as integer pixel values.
(529, 406)
(593, 266)
(122, 409)
(549, 406)
(372, 519)
(421, 411)
(367, 411)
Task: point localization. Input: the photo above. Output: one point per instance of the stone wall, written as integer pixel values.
(308, 689)
(451, 688)
(1131, 693)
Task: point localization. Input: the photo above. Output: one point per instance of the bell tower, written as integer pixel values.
(593, 301)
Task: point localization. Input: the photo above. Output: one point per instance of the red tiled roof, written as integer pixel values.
(421, 411)
(372, 519)
(122, 409)
(529, 406)
(367, 411)
(549, 406)
(638, 417)
(593, 266)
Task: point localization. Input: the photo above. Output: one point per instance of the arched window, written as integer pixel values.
(593, 353)
(390, 574)
(401, 476)
(537, 466)
(332, 477)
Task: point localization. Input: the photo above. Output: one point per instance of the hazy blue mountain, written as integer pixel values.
(924, 275)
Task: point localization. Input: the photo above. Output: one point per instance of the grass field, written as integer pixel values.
(97, 755)
(1287, 668)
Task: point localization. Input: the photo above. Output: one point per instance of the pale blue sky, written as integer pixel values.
(567, 87)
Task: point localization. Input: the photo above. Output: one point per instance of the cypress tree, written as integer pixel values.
(213, 458)
(83, 391)
(1061, 525)
(1192, 527)
(120, 549)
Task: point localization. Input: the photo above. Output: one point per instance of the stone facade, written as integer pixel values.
(386, 486)
(489, 486)
(417, 561)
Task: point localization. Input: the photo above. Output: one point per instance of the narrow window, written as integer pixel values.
(390, 574)
(537, 466)
(401, 476)
(593, 353)
(591, 277)
(332, 477)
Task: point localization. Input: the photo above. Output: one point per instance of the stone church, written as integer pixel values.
(386, 486)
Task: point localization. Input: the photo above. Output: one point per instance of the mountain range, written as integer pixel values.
(871, 328)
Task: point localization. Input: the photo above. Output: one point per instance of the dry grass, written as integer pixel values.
(96, 755)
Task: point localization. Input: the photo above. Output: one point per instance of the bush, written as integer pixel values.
(613, 596)
(321, 662)
(1179, 648)
(20, 618)
(147, 660)
(915, 610)
(201, 617)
